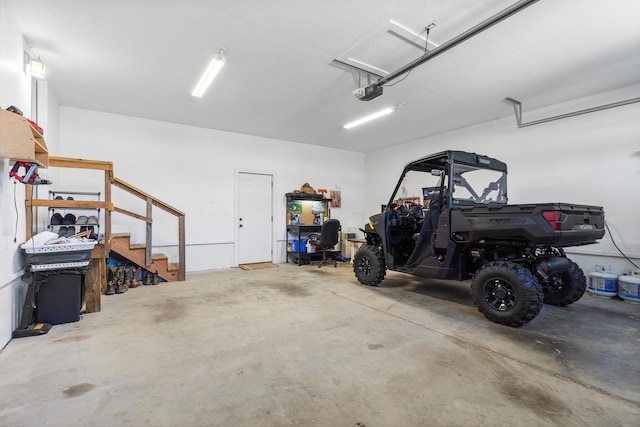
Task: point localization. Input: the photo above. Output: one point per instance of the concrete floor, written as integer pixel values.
(307, 346)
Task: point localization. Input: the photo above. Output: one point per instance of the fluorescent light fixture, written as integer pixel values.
(38, 69)
(413, 33)
(364, 64)
(370, 117)
(210, 73)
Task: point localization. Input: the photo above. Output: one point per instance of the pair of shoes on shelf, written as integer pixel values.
(88, 220)
(65, 231)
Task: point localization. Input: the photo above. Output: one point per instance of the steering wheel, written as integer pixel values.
(416, 212)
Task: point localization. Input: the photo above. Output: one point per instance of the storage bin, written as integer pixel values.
(59, 299)
(300, 246)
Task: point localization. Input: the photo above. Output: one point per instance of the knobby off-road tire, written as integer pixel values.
(369, 265)
(569, 289)
(507, 293)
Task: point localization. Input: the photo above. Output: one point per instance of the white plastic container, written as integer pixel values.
(67, 247)
(602, 282)
(629, 287)
(50, 257)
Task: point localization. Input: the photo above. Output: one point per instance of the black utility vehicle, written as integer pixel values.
(448, 218)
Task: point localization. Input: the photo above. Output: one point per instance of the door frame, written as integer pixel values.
(236, 210)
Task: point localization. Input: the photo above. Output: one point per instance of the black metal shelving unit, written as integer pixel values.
(305, 215)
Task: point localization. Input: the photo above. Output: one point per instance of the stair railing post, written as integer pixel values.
(181, 248)
(108, 179)
(148, 240)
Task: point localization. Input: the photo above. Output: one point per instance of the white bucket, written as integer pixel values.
(629, 287)
(603, 283)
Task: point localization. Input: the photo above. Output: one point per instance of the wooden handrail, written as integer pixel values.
(141, 194)
(69, 162)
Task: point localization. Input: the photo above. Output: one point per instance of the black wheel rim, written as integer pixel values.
(499, 294)
(364, 266)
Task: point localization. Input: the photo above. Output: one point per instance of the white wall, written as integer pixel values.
(588, 159)
(194, 169)
(14, 90)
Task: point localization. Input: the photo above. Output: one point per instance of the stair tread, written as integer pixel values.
(159, 261)
(120, 235)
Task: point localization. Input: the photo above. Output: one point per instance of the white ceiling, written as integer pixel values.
(142, 58)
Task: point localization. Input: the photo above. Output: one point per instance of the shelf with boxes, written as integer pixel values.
(73, 220)
(305, 215)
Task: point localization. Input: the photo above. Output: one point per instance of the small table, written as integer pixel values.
(356, 244)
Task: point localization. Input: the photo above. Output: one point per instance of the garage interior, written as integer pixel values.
(550, 88)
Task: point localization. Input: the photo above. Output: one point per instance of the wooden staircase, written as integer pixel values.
(140, 254)
(136, 253)
(95, 281)
(120, 244)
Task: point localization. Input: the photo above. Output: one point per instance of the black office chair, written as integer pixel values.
(326, 239)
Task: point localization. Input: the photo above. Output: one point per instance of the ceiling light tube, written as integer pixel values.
(408, 30)
(210, 73)
(413, 33)
(364, 64)
(370, 117)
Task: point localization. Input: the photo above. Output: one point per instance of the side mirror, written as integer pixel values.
(437, 172)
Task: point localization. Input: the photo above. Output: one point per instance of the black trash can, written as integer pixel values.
(59, 299)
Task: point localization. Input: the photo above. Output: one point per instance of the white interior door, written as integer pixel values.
(255, 217)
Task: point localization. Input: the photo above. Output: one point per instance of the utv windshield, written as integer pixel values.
(474, 185)
(416, 189)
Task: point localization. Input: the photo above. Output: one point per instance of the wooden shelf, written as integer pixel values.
(19, 141)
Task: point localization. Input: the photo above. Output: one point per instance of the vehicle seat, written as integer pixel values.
(423, 239)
